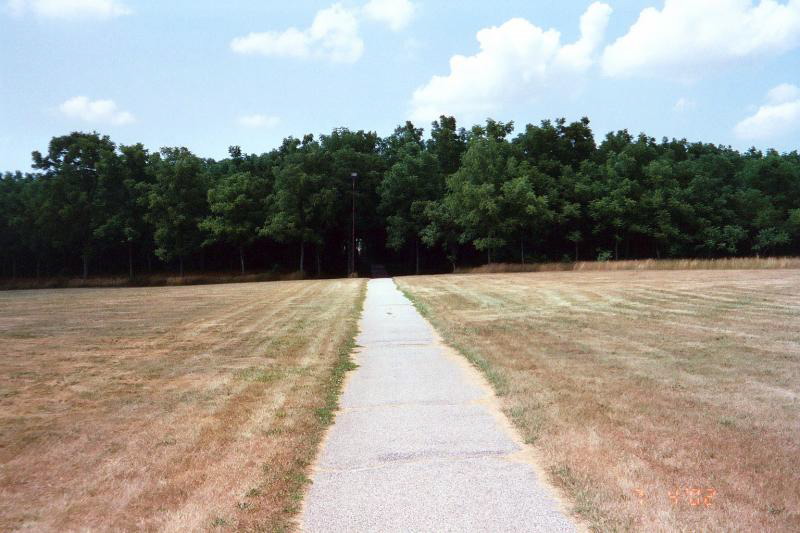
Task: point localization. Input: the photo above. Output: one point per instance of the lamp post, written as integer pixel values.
(353, 232)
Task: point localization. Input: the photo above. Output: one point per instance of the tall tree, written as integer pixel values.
(300, 206)
(11, 212)
(614, 206)
(526, 213)
(176, 203)
(476, 189)
(78, 170)
(237, 203)
(447, 144)
(408, 186)
(138, 177)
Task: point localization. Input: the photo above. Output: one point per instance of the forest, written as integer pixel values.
(414, 202)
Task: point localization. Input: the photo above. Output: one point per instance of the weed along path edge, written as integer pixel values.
(420, 443)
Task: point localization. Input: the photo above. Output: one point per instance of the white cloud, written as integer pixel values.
(580, 55)
(95, 111)
(395, 13)
(779, 116)
(258, 121)
(687, 37)
(785, 92)
(516, 60)
(684, 104)
(69, 9)
(333, 35)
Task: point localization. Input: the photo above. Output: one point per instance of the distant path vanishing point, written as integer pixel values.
(419, 444)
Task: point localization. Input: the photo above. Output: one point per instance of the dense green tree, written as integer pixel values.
(132, 208)
(346, 152)
(477, 189)
(546, 192)
(447, 144)
(662, 208)
(238, 208)
(614, 208)
(442, 228)
(176, 203)
(11, 213)
(526, 213)
(121, 206)
(80, 170)
(407, 187)
(300, 206)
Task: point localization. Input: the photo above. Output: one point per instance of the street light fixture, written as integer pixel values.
(353, 175)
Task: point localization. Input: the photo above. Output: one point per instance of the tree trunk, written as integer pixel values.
(85, 266)
(13, 268)
(616, 248)
(576, 251)
(488, 256)
(319, 262)
(38, 266)
(302, 256)
(180, 266)
(416, 249)
(241, 258)
(522, 250)
(130, 260)
(149, 263)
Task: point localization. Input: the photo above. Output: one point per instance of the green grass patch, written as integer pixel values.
(344, 364)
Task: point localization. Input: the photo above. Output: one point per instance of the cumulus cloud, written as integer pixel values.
(580, 55)
(333, 35)
(516, 60)
(395, 13)
(258, 121)
(779, 116)
(95, 111)
(785, 92)
(686, 37)
(69, 9)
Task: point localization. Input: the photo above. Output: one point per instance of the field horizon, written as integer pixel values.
(166, 279)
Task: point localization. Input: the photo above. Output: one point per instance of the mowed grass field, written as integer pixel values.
(658, 401)
(172, 408)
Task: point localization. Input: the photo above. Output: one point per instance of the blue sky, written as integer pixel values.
(206, 74)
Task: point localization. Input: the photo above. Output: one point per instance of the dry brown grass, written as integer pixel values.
(660, 401)
(149, 280)
(728, 263)
(176, 408)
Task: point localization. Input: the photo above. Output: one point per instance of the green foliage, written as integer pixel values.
(407, 187)
(81, 172)
(176, 203)
(302, 202)
(237, 205)
(548, 192)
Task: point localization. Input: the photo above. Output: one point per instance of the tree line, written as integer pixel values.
(457, 196)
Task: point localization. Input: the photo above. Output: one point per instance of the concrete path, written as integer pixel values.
(420, 444)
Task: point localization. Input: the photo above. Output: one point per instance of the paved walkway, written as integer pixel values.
(419, 444)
